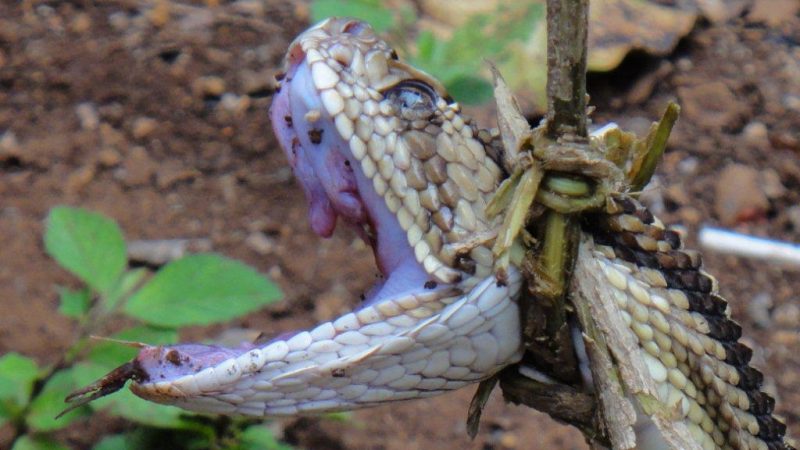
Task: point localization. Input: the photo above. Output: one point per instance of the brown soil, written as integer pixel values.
(157, 148)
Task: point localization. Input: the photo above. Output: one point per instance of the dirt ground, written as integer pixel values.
(159, 121)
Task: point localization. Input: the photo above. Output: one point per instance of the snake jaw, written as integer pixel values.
(429, 326)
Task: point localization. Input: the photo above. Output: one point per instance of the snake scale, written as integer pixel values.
(381, 146)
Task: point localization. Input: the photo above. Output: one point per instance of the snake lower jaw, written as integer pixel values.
(405, 345)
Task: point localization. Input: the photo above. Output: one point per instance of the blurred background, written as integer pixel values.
(154, 113)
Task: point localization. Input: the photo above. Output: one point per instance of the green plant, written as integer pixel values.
(458, 61)
(197, 289)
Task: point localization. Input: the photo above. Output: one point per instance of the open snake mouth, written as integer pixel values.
(335, 188)
(422, 330)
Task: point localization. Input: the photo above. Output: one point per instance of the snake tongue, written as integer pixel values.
(321, 214)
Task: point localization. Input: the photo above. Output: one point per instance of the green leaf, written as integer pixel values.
(28, 442)
(339, 416)
(74, 303)
(459, 61)
(259, 437)
(201, 289)
(17, 374)
(50, 402)
(88, 244)
(426, 46)
(370, 11)
(129, 281)
(116, 442)
(470, 89)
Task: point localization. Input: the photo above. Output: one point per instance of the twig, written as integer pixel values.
(158, 252)
(729, 242)
(567, 31)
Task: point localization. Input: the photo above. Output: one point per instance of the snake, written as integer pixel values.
(380, 146)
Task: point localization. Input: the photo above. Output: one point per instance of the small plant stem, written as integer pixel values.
(567, 32)
(656, 147)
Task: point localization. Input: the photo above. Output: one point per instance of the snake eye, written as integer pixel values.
(413, 99)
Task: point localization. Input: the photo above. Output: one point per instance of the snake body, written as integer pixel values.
(380, 145)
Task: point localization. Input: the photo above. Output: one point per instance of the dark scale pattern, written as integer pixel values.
(623, 230)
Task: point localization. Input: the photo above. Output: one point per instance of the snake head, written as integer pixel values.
(381, 145)
(331, 104)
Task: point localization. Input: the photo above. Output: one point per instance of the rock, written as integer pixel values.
(794, 216)
(249, 7)
(80, 23)
(756, 134)
(676, 193)
(211, 85)
(108, 157)
(172, 172)
(711, 105)
(721, 11)
(773, 12)
(275, 272)
(690, 216)
(684, 64)
(197, 23)
(143, 127)
(738, 195)
(235, 104)
(260, 243)
(791, 101)
(688, 166)
(159, 15)
(786, 139)
(787, 315)
(112, 137)
(771, 184)
(79, 179)
(644, 86)
(509, 440)
(157, 252)
(138, 168)
(758, 309)
(227, 184)
(234, 337)
(119, 21)
(257, 82)
(332, 303)
(9, 146)
(88, 116)
(112, 112)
